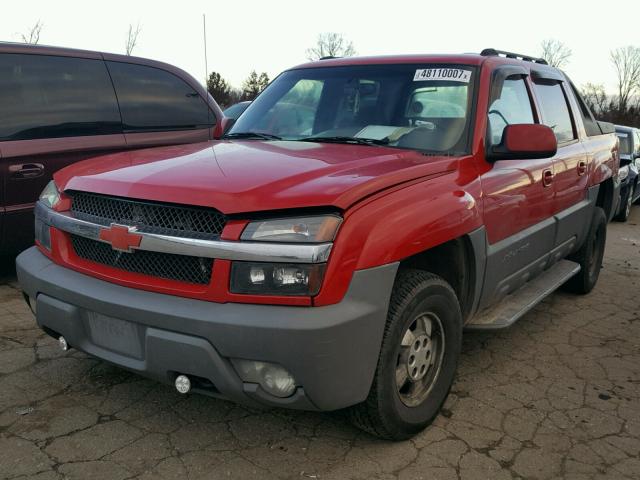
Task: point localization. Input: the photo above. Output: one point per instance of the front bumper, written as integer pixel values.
(331, 351)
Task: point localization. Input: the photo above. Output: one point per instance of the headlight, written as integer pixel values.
(623, 173)
(312, 229)
(276, 278)
(50, 196)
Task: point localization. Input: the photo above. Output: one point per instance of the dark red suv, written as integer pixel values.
(59, 106)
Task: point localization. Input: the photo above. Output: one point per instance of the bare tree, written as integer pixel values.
(626, 60)
(33, 36)
(132, 38)
(331, 45)
(556, 53)
(596, 98)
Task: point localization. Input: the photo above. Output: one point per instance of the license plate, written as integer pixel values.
(114, 334)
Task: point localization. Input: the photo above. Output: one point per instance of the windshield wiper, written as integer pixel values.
(250, 135)
(354, 140)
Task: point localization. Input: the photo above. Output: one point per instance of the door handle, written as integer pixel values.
(582, 168)
(547, 178)
(26, 170)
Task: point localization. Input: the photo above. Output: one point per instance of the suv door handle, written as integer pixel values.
(547, 178)
(26, 170)
(582, 167)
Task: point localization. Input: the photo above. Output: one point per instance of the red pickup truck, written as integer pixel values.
(329, 250)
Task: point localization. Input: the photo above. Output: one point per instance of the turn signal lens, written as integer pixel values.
(43, 233)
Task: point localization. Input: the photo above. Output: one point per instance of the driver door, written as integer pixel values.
(517, 195)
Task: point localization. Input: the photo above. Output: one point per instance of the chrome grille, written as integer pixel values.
(150, 217)
(181, 268)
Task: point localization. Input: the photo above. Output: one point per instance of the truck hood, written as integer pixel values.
(250, 176)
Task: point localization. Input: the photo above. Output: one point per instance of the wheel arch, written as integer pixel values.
(606, 197)
(460, 262)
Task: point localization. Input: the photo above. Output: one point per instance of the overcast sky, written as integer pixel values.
(273, 35)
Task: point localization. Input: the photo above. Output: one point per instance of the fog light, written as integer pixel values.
(183, 384)
(273, 378)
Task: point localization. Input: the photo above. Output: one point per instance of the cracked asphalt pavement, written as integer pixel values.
(555, 396)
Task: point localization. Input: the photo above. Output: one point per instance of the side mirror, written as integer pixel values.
(525, 141)
(636, 155)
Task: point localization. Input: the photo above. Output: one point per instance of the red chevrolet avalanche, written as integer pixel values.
(330, 249)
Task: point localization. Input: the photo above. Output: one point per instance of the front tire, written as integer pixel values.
(418, 358)
(590, 255)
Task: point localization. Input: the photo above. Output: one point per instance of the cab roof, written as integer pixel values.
(466, 59)
(496, 57)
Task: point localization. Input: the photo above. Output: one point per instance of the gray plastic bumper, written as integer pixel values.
(331, 351)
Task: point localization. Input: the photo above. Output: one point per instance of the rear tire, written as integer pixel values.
(418, 358)
(589, 256)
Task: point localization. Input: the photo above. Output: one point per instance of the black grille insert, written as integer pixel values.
(149, 217)
(182, 268)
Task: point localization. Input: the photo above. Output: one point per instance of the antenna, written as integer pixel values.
(206, 67)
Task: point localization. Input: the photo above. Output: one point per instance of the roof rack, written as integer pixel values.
(492, 52)
(328, 57)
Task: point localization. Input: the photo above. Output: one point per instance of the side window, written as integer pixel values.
(555, 111)
(49, 97)
(513, 106)
(638, 142)
(155, 100)
(591, 127)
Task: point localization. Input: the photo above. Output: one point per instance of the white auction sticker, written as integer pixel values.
(451, 74)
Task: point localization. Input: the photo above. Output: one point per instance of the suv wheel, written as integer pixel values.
(418, 358)
(627, 202)
(590, 255)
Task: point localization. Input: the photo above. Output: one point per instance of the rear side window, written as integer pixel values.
(555, 111)
(512, 107)
(590, 125)
(155, 100)
(48, 97)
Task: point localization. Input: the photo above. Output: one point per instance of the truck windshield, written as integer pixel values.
(418, 107)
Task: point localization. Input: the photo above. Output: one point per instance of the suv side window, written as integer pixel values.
(155, 100)
(43, 96)
(512, 107)
(590, 125)
(555, 110)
